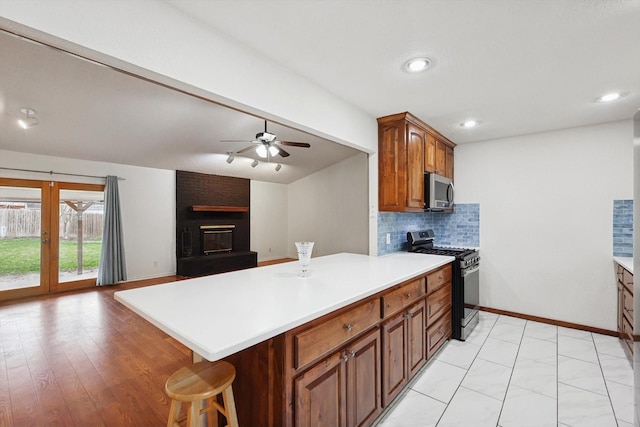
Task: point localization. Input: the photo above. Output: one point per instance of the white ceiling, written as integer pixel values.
(519, 66)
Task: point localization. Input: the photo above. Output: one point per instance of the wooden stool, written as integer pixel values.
(202, 381)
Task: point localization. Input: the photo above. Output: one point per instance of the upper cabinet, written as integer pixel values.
(407, 148)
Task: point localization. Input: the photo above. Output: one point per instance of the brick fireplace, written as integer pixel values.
(212, 224)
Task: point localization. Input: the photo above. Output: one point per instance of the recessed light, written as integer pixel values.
(29, 118)
(470, 123)
(416, 65)
(610, 97)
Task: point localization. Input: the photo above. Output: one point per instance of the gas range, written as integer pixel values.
(465, 280)
(422, 242)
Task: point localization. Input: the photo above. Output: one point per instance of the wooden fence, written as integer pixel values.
(16, 223)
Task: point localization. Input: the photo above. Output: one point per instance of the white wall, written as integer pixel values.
(147, 197)
(330, 209)
(268, 216)
(158, 41)
(546, 214)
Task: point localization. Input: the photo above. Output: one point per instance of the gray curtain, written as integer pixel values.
(112, 268)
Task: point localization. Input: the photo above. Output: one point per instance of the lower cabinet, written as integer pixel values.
(625, 308)
(403, 349)
(342, 390)
(342, 369)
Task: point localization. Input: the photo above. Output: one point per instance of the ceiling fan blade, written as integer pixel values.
(294, 144)
(281, 151)
(244, 150)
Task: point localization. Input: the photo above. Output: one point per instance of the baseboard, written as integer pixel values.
(551, 321)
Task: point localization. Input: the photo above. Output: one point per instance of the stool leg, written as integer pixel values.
(193, 414)
(174, 413)
(212, 413)
(230, 407)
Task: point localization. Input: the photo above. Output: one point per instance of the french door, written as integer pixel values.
(50, 236)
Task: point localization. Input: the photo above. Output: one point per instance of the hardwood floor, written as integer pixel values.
(83, 359)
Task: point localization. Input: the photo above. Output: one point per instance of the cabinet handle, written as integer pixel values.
(345, 357)
(408, 315)
(348, 327)
(408, 295)
(352, 353)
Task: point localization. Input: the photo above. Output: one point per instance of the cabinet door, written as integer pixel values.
(441, 157)
(320, 394)
(430, 154)
(392, 168)
(416, 322)
(394, 360)
(448, 162)
(363, 385)
(415, 166)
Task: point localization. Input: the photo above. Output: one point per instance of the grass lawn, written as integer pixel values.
(20, 256)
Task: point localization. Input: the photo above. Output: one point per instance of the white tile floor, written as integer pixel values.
(513, 372)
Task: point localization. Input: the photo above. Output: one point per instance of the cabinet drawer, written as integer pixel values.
(438, 278)
(627, 304)
(438, 302)
(402, 297)
(438, 333)
(332, 333)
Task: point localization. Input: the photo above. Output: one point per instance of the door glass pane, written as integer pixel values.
(80, 239)
(20, 227)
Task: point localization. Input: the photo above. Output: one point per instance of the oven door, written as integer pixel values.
(471, 280)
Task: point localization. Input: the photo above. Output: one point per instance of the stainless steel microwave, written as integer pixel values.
(438, 192)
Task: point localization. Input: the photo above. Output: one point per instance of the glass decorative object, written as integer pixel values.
(304, 256)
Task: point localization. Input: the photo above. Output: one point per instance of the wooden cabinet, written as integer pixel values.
(317, 340)
(403, 340)
(344, 368)
(441, 161)
(407, 148)
(343, 389)
(625, 308)
(415, 170)
(438, 305)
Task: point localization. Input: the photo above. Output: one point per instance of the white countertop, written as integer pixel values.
(625, 261)
(219, 315)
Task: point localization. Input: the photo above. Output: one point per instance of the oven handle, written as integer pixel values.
(465, 273)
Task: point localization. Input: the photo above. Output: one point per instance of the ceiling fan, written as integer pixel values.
(267, 144)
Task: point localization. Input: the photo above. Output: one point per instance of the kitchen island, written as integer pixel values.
(285, 333)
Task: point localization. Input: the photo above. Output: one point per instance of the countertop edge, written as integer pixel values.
(626, 262)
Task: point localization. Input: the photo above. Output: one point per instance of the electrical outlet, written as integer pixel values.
(388, 238)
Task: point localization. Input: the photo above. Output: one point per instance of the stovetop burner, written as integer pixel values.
(422, 242)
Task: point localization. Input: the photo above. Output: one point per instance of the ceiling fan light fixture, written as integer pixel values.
(254, 163)
(278, 167)
(273, 151)
(415, 65)
(29, 120)
(261, 151)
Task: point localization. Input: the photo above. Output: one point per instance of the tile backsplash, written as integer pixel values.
(461, 228)
(623, 228)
